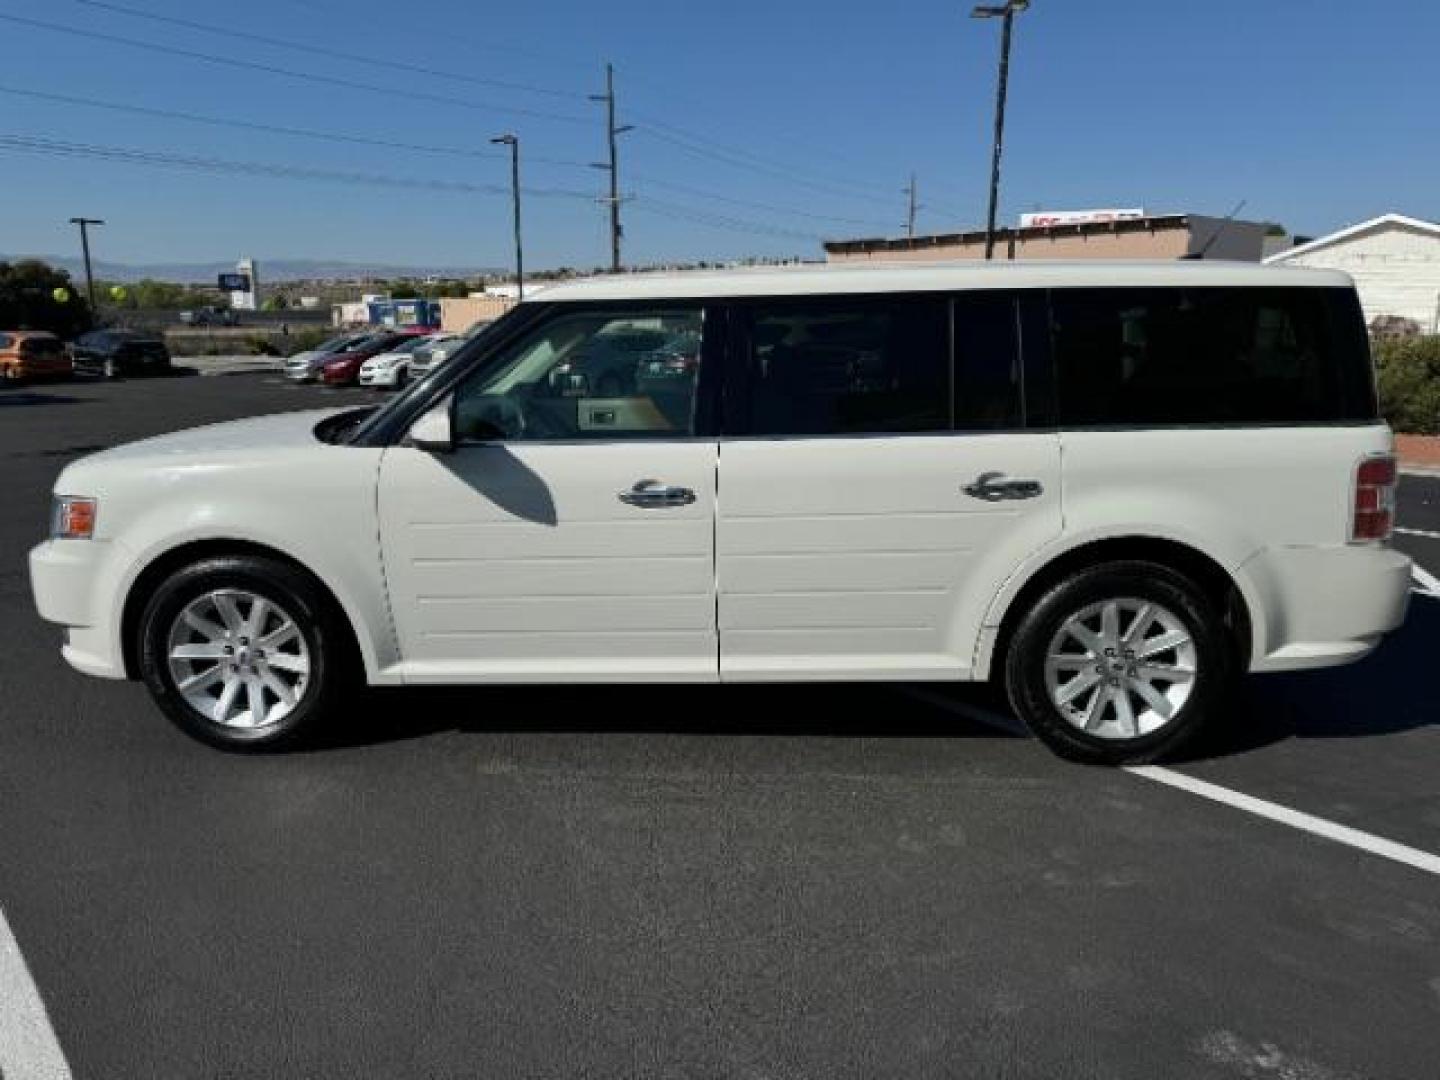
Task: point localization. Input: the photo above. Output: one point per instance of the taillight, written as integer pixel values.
(1374, 515)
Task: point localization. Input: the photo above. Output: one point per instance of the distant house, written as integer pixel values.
(1395, 261)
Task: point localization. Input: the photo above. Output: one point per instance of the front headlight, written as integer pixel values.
(73, 518)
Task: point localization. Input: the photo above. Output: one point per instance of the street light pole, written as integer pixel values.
(1007, 12)
(513, 142)
(85, 224)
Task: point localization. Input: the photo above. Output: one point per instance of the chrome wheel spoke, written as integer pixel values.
(1071, 662)
(295, 665)
(1110, 625)
(1077, 686)
(1156, 700)
(1095, 711)
(1143, 618)
(229, 611)
(283, 636)
(259, 615)
(1125, 713)
(203, 626)
(1164, 673)
(282, 691)
(1085, 636)
(226, 701)
(1163, 644)
(205, 650)
(203, 680)
(255, 700)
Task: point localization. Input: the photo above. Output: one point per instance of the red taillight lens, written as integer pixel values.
(1374, 511)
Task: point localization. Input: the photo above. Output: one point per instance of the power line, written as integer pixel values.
(322, 50)
(274, 129)
(751, 205)
(696, 216)
(198, 163)
(43, 146)
(271, 69)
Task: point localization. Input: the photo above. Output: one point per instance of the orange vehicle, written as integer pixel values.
(33, 354)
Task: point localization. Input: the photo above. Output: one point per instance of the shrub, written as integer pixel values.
(1408, 373)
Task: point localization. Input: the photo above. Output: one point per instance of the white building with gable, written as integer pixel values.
(1395, 261)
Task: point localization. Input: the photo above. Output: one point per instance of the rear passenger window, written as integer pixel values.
(987, 362)
(847, 367)
(1208, 356)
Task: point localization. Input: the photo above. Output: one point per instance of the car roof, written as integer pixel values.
(821, 279)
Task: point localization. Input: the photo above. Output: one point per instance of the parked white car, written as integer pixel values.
(392, 369)
(440, 349)
(1111, 488)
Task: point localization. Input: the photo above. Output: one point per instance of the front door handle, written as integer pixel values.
(997, 487)
(654, 494)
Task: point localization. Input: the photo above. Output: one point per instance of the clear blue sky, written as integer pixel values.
(1319, 112)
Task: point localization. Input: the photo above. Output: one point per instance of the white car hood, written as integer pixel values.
(262, 433)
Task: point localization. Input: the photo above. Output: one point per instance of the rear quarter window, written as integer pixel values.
(1224, 356)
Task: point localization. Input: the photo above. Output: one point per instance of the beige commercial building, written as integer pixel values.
(1161, 236)
(458, 313)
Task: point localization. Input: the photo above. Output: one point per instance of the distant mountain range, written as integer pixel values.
(276, 270)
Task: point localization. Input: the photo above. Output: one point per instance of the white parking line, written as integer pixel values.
(1426, 533)
(1341, 834)
(1295, 819)
(28, 1047)
(1426, 583)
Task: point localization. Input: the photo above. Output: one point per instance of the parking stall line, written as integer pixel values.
(1341, 834)
(1426, 583)
(28, 1047)
(1282, 815)
(1426, 533)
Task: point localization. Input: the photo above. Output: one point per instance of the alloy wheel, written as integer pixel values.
(1121, 668)
(238, 659)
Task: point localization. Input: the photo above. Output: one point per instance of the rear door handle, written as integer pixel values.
(997, 487)
(654, 495)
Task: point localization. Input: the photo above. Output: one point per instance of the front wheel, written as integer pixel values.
(1120, 664)
(243, 653)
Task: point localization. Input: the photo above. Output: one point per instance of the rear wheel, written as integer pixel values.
(243, 653)
(1120, 664)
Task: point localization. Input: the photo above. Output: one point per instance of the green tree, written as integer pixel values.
(37, 296)
(1408, 376)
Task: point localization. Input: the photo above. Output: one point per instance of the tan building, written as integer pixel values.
(1162, 236)
(458, 313)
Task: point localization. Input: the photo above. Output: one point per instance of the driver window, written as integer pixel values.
(588, 375)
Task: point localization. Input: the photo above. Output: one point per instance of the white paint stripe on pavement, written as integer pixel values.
(28, 1047)
(1429, 584)
(1283, 815)
(1341, 834)
(1418, 532)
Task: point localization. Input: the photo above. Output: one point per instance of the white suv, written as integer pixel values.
(1112, 488)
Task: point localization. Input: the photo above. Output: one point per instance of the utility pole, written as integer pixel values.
(613, 168)
(85, 224)
(913, 192)
(513, 141)
(1007, 12)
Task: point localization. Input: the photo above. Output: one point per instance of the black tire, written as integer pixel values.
(332, 668)
(1025, 661)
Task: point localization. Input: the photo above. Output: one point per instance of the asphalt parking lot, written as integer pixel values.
(696, 882)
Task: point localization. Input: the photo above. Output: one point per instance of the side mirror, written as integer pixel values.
(433, 432)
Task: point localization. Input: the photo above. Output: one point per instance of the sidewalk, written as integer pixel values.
(1419, 453)
(229, 365)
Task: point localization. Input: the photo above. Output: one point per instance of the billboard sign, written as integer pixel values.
(1046, 218)
(235, 282)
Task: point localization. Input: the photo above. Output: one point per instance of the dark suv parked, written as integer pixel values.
(112, 353)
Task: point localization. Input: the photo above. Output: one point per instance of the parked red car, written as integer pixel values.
(344, 370)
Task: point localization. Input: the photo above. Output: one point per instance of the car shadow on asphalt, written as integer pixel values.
(21, 398)
(824, 710)
(1387, 693)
